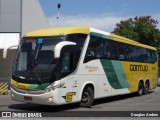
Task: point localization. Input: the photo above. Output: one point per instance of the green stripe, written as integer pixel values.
(115, 74)
(120, 74)
(101, 35)
(111, 74)
(38, 86)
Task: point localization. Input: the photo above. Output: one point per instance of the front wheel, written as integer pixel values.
(87, 97)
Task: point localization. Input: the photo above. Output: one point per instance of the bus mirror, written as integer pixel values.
(59, 46)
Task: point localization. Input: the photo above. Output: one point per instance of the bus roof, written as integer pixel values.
(58, 31)
(83, 30)
(120, 38)
(131, 42)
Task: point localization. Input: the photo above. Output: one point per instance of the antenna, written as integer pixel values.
(59, 6)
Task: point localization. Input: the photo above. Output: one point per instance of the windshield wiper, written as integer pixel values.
(34, 67)
(36, 73)
(32, 63)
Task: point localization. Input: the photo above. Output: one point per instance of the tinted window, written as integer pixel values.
(110, 49)
(100, 48)
(70, 56)
(77, 38)
(95, 49)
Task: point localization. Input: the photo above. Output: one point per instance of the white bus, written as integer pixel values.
(79, 64)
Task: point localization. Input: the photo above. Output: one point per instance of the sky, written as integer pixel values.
(100, 14)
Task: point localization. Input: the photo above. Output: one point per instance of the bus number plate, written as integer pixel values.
(27, 98)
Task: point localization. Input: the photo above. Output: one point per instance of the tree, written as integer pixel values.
(142, 29)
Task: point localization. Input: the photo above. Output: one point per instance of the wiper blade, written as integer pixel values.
(32, 62)
(36, 73)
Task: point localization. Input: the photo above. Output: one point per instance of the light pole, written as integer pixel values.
(59, 6)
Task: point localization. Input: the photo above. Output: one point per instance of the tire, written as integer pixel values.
(87, 97)
(146, 88)
(140, 89)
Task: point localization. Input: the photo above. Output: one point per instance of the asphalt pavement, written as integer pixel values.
(123, 104)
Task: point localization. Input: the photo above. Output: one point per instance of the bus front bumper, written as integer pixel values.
(44, 99)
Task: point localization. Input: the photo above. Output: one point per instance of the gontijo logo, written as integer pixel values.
(138, 67)
(91, 68)
(69, 96)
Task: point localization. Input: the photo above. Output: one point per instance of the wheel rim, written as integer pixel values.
(140, 90)
(146, 87)
(85, 97)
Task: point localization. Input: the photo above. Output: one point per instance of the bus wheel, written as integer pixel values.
(146, 88)
(140, 89)
(87, 97)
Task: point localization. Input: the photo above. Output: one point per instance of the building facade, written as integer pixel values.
(17, 17)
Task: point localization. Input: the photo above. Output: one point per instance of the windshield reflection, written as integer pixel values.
(35, 59)
(35, 63)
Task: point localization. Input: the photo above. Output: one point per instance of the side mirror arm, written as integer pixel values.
(59, 46)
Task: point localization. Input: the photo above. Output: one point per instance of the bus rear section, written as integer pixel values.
(122, 66)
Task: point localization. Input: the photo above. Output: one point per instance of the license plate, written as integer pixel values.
(28, 98)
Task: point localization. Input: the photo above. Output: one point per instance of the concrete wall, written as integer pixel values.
(33, 16)
(6, 65)
(21, 16)
(10, 15)
(17, 16)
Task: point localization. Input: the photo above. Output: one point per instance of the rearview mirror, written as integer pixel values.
(59, 46)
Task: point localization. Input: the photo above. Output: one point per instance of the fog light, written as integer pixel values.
(50, 99)
(12, 95)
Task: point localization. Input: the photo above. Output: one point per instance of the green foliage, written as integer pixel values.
(142, 29)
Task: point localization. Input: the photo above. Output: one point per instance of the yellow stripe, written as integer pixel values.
(3, 88)
(4, 92)
(20, 85)
(128, 41)
(3, 85)
(58, 31)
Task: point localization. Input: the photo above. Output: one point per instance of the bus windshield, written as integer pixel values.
(35, 62)
(35, 59)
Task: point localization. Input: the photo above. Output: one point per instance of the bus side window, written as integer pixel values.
(69, 59)
(94, 50)
(142, 54)
(65, 63)
(134, 54)
(121, 51)
(110, 50)
(107, 52)
(153, 56)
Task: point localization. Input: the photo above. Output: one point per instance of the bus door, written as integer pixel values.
(69, 61)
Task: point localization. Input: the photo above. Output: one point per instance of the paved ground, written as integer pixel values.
(149, 102)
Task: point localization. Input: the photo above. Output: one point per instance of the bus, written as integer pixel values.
(77, 64)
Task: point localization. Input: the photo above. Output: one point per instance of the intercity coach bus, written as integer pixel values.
(64, 65)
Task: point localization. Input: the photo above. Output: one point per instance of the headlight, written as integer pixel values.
(52, 88)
